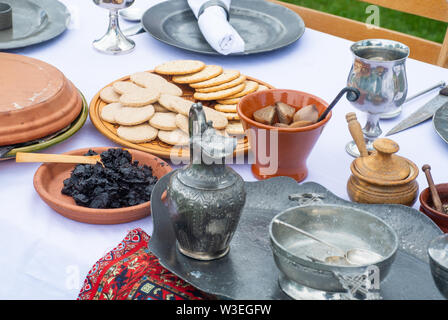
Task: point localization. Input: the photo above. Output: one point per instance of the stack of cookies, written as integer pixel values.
(150, 106)
(212, 83)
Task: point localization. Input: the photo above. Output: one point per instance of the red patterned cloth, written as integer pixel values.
(131, 272)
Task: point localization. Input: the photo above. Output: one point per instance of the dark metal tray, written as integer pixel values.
(440, 122)
(249, 271)
(264, 26)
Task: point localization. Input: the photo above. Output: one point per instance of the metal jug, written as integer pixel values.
(205, 199)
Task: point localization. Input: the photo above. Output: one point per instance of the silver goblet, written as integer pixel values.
(379, 73)
(114, 41)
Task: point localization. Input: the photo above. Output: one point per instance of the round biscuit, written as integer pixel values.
(218, 118)
(159, 108)
(219, 94)
(225, 76)
(235, 128)
(171, 89)
(178, 67)
(147, 79)
(129, 116)
(251, 86)
(138, 134)
(109, 111)
(176, 104)
(231, 108)
(182, 123)
(139, 98)
(229, 101)
(156, 82)
(209, 72)
(175, 137)
(164, 121)
(232, 116)
(122, 87)
(223, 86)
(109, 95)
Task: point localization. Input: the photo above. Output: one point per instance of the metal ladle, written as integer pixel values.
(355, 256)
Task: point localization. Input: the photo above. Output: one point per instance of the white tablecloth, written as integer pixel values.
(44, 255)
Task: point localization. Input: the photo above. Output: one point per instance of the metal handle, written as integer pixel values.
(352, 95)
(418, 94)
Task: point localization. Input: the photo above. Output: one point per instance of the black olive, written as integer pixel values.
(120, 183)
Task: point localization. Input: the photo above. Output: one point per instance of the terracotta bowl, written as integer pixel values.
(290, 151)
(427, 207)
(48, 182)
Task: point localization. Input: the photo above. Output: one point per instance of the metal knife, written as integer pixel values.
(423, 113)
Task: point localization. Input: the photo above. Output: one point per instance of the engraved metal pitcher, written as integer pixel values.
(206, 197)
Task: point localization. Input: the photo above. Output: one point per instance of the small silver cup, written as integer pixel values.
(5, 16)
(379, 73)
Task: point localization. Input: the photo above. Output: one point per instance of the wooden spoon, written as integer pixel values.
(356, 133)
(58, 158)
(434, 194)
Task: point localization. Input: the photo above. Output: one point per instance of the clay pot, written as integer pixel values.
(287, 148)
(49, 178)
(427, 207)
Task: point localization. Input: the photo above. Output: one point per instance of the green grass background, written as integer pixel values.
(389, 19)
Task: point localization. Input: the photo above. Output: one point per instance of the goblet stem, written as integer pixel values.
(114, 41)
(372, 130)
(113, 22)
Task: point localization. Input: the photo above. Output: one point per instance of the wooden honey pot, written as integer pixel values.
(380, 176)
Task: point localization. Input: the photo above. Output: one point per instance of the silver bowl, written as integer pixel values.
(438, 261)
(342, 226)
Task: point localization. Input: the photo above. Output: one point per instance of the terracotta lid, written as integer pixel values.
(36, 99)
(383, 164)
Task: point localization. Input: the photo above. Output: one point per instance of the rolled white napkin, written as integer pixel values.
(216, 29)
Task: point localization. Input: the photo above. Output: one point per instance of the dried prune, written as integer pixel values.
(120, 183)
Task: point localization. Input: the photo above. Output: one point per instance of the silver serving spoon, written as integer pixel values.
(355, 256)
(131, 14)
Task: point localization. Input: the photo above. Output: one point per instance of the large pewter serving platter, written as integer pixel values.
(440, 122)
(264, 26)
(249, 271)
(34, 22)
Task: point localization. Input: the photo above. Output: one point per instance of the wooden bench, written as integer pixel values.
(421, 49)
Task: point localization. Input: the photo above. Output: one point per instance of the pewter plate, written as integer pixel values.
(264, 26)
(249, 271)
(34, 21)
(440, 122)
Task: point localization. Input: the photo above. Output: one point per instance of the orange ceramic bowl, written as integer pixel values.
(427, 206)
(49, 181)
(280, 151)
